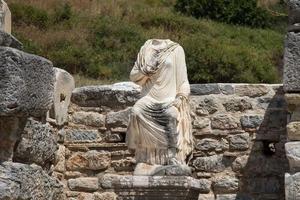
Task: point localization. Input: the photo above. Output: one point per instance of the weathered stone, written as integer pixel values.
(200, 123)
(237, 104)
(239, 141)
(123, 164)
(292, 189)
(251, 121)
(88, 118)
(293, 155)
(27, 83)
(293, 99)
(206, 197)
(226, 89)
(5, 17)
(21, 181)
(213, 163)
(226, 184)
(205, 89)
(224, 122)
(8, 40)
(10, 129)
(240, 163)
(293, 130)
(105, 196)
(115, 138)
(63, 87)
(119, 95)
(233, 197)
(118, 119)
(73, 174)
(83, 184)
(206, 106)
(291, 73)
(60, 159)
(92, 160)
(294, 13)
(209, 144)
(38, 144)
(178, 170)
(251, 90)
(81, 135)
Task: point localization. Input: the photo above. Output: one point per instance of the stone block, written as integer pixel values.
(63, 87)
(239, 142)
(8, 40)
(201, 123)
(83, 184)
(88, 118)
(105, 196)
(292, 189)
(293, 130)
(205, 89)
(81, 135)
(293, 155)
(224, 122)
(123, 164)
(226, 184)
(204, 106)
(91, 160)
(5, 17)
(116, 96)
(240, 163)
(251, 121)
(37, 145)
(206, 197)
(208, 144)
(291, 73)
(27, 84)
(215, 163)
(21, 181)
(237, 104)
(251, 90)
(60, 159)
(233, 197)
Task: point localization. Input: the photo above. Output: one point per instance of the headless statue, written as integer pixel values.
(159, 130)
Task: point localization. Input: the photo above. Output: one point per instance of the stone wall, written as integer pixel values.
(239, 130)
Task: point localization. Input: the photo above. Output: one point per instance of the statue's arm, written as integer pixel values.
(137, 76)
(183, 85)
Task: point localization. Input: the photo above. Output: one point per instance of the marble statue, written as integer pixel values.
(159, 130)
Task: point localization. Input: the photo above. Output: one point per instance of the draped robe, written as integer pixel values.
(155, 124)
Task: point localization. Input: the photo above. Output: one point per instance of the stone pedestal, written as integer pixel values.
(155, 187)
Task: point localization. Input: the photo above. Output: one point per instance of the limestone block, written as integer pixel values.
(204, 106)
(213, 163)
(291, 73)
(225, 184)
(5, 17)
(60, 159)
(91, 160)
(118, 119)
(237, 104)
(224, 122)
(105, 196)
(38, 144)
(251, 90)
(8, 40)
(293, 100)
(209, 144)
(63, 87)
(21, 181)
(83, 184)
(201, 123)
(123, 164)
(239, 142)
(233, 197)
(89, 118)
(81, 135)
(251, 121)
(293, 130)
(27, 83)
(120, 95)
(293, 155)
(206, 197)
(292, 189)
(204, 89)
(240, 163)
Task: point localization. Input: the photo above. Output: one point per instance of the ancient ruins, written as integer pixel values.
(58, 142)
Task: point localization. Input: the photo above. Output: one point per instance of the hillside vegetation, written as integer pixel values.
(99, 39)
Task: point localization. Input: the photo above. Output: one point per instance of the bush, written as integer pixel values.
(239, 12)
(63, 13)
(29, 15)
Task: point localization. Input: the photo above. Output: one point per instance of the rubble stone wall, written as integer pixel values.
(239, 130)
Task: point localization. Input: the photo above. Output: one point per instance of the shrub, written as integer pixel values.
(240, 12)
(63, 13)
(29, 15)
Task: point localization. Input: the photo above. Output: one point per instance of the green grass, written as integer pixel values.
(100, 39)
